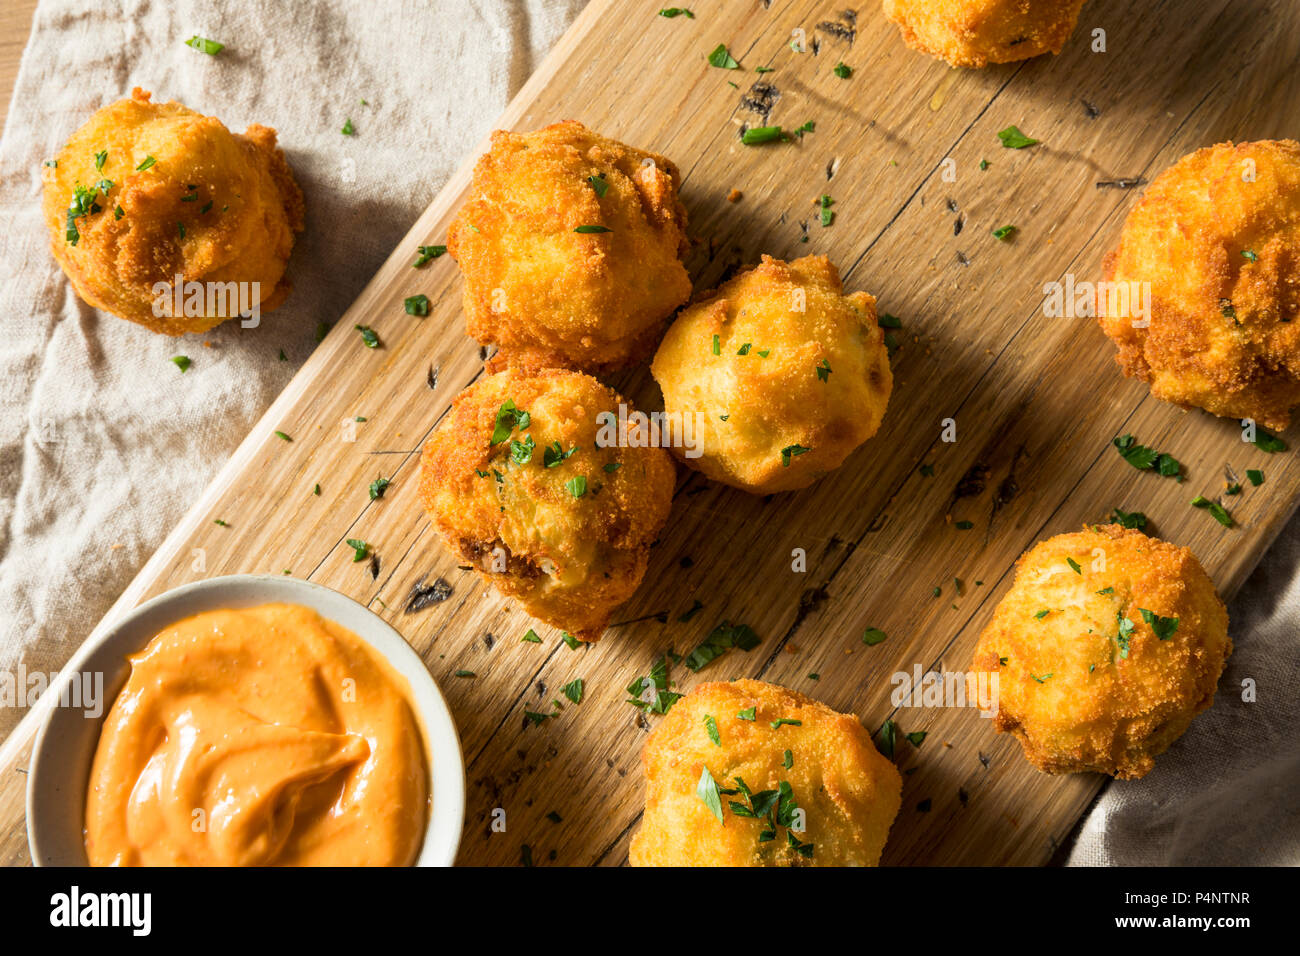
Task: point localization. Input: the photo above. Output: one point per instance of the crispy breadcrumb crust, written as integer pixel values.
(213, 207)
(1223, 334)
(787, 397)
(1066, 688)
(848, 791)
(549, 296)
(568, 560)
(975, 33)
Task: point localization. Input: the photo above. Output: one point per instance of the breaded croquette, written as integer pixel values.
(1209, 266)
(976, 33)
(521, 484)
(570, 248)
(782, 375)
(751, 774)
(144, 193)
(1105, 648)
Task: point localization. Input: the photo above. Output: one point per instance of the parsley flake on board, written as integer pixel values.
(368, 336)
(721, 58)
(1128, 519)
(1266, 441)
(378, 487)
(757, 135)
(873, 636)
(671, 12)
(417, 305)
(427, 254)
(360, 549)
(182, 362)
(1012, 138)
(1147, 459)
(720, 640)
(1216, 510)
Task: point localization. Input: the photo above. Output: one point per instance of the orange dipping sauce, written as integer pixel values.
(264, 736)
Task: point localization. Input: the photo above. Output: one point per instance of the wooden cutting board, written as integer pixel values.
(1036, 402)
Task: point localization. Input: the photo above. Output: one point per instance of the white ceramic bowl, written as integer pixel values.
(65, 745)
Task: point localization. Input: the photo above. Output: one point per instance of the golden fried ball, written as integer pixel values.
(1105, 648)
(1217, 238)
(781, 374)
(570, 247)
(524, 483)
(145, 192)
(979, 32)
(826, 766)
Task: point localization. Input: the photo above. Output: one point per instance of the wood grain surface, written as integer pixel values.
(15, 27)
(1036, 402)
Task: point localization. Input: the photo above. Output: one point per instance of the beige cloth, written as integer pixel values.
(104, 443)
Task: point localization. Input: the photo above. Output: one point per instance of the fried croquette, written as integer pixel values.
(780, 373)
(570, 245)
(526, 481)
(751, 774)
(1203, 292)
(146, 192)
(976, 33)
(1105, 648)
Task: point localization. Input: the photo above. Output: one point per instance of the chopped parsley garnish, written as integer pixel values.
(873, 636)
(1216, 510)
(790, 451)
(825, 204)
(787, 761)
(917, 737)
(744, 349)
(1124, 634)
(101, 158)
(707, 790)
(530, 637)
(572, 642)
(1012, 138)
(757, 135)
(720, 640)
(378, 487)
(612, 466)
(465, 674)
(1128, 519)
(577, 486)
(1164, 627)
(963, 525)
(1266, 441)
(203, 45)
(1074, 566)
(1249, 255)
(508, 416)
(283, 436)
(360, 549)
(147, 163)
(182, 362)
(717, 346)
(886, 740)
(842, 71)
(723, 59)
(824, 371)
(1042, 679)
(888, 321)
(598, 183)
(521, 452)
(316, 489)
(658, 680)
(711, 725)
(593, 229)
(574, 689)
(368, 336)
(1255, 477)
(1148, 459)
(671, 12)
(417, 305)
(782, 721)
(1004, 233)
(749, 713)
(348, 128)
(553, 455)
(427, 254)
